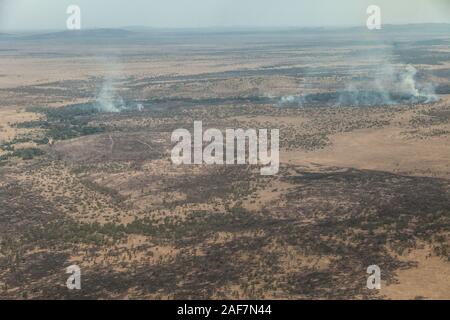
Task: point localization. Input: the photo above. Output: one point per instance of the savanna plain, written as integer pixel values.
(86, 176)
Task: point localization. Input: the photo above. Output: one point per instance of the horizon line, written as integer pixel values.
(242, 27)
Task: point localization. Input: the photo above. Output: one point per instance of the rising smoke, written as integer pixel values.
(389, 86)
(107, 99)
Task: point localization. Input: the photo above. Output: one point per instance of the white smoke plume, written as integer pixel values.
(390, 85)
(408, 82)
(409, 86)
(107, 99)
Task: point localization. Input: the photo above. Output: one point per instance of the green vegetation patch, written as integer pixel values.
(66, 122)
(25, 154)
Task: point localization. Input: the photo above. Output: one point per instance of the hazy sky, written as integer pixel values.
(51, 14)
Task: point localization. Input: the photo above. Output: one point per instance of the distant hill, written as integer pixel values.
(88, 34)
(140, 29)
(432, 33)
